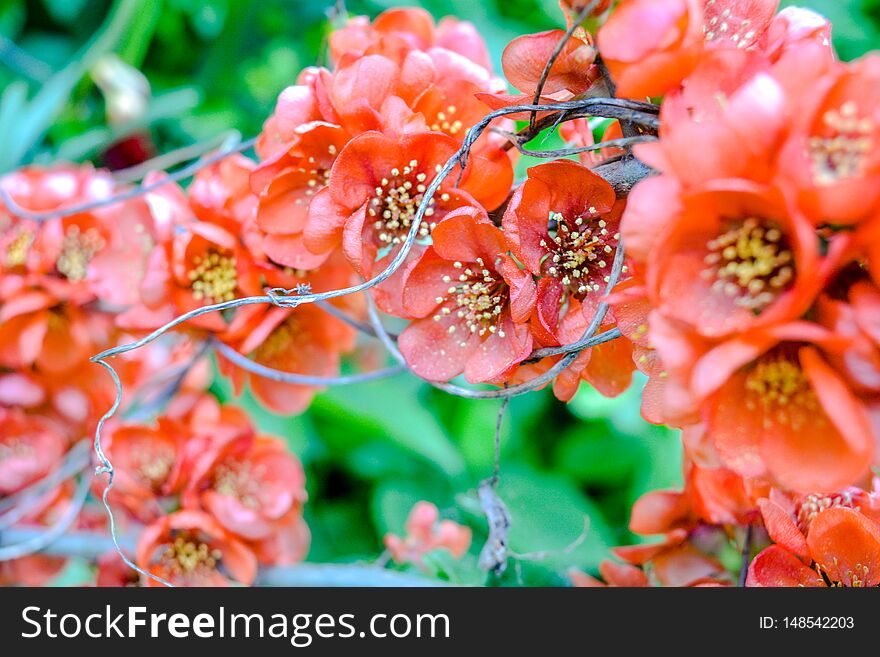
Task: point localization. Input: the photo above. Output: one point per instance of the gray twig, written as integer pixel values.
(235, 145)
(38, 542)
(245, 363)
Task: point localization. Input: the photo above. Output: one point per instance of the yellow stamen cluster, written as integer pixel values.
(577, 253)
(397, 200)
(840, 152)
(214, 277)
(811, 505)
(721, 27)
(239, 480)
(279, 342)
(154, 465)
(478, 296)
(186, 556)
(15, 447)
(17, 250)
(750, 262)
(319, 177)
(77, 250)
(779, 387)
(446, 122)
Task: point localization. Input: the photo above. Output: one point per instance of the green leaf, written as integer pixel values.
(35, 119)
(64, 11)
(548, 514)
(393, 405)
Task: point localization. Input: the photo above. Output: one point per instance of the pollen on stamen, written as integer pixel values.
(214, 277)
(841, 145)
(77, 250)
(575, 251)
(778, 387)
(750, 262)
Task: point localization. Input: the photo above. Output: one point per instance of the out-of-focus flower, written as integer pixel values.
(190, 548)
(425, 533)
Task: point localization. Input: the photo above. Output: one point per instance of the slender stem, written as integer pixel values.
(36, 543)
(245, 363)
(234, 145)
(560, 46)
(91, 545)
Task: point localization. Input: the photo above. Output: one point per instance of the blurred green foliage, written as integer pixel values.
(373, 450)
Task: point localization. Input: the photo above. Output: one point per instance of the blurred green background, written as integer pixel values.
(373, 450)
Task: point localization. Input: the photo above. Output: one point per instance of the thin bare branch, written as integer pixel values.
(560, 46)
(245, 363)
(234, 145)
(183, 154)
(625, 142)
(91, 545)
(65, 522)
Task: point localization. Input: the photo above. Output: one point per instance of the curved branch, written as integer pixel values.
(560, 46)
(36, 543)
(625, 142)
(91, 545)
(245, 363)
(234, 145)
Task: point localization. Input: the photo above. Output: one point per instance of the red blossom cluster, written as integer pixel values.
(748, 295)
(754, 304)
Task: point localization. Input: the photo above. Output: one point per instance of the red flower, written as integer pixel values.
(31, 447)
(739, 24)
(304, 340)
(114, 572)
(722, 261)
(525, 58)
(613, 574)
(287, 544)
(148, 466)
(397, 32)
(473, 302)
(74, 258)
(774, 408)
(832, 157)
(821, 540)
(729, 150)
(562, 224)
(189, 548)
(376, 187)
(250, 491)
(650, 46)
(425, 533)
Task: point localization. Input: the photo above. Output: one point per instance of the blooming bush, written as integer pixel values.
(710, 229)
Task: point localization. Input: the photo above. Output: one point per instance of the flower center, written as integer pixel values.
(579, 254)
(840, 150)
(396, 202)
(17, 249)
(154, 466)
(780, 388)
(187, 556)
(214, 277)
(279, 342)
(77, 250)
(239, 480)
(445, 121)
(751, 262)
(477, 298)
(14, 447)
(724, 25)
(812, 504)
